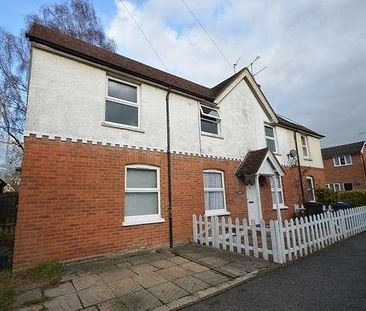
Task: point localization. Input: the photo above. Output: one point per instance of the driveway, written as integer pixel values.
(332, 279)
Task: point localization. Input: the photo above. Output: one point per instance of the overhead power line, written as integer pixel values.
(208, 35)
(144, 35)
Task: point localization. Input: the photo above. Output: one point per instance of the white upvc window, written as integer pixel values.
(142, 195)
(122, 105)
(310, 189)
(305, 146)
(270, 135)
(214, 192)
(278, 180)
(336, 187)
(210, 121)
(342, 160)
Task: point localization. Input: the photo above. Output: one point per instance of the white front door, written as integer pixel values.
(252, 203)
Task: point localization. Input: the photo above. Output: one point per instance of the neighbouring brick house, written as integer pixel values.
(345, 166)
(119, 155)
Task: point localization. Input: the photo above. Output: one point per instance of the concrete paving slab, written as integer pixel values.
(174, 272)
(168, 292)
(151, 279)
(143, 268)
(59, 290)
(86, 281)
(95, 294)
(141, 300)
(163, 263)
(191, 284)
(31, 308)
(124, 286)
(115, 275)
(179, 260)
(115, 304)
(68, 302)
(211, 277)
(28, 296)
(214, 261)
(93, 308)
(194, 267)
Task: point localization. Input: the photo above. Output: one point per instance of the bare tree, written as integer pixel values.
(74, 17)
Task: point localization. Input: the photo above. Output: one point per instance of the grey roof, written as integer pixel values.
(351, 149)
(282, 121)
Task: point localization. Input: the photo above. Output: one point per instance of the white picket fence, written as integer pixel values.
(279, 241)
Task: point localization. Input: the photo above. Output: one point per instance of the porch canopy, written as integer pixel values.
(261, 162)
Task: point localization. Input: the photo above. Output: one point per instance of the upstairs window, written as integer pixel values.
(342, 160)
(122, 105)
(279, 194)
(210, 120)
(214, 189)
(305, 147)
(270, 138)
(310, 188)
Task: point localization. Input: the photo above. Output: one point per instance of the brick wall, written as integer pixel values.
(72, 197)
(354, 173)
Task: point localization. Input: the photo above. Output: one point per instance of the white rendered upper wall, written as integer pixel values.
(67, 99)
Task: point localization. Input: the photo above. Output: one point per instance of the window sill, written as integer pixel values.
(217, 213)
(281, 207)
(142, 220)
(122, 127)
(212, 135)
(308, 159)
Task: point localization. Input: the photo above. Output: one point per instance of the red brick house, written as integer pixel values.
(120, 155)
(345, 166)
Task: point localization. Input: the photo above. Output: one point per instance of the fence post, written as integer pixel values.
(273, 241)
(195, 238)
(280, 249)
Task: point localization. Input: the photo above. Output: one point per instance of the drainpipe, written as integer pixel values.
(170, 197)
(299, 168)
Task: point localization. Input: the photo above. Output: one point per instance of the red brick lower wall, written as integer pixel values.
(72, 197)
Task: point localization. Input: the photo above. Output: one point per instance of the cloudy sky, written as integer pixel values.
(315, 51)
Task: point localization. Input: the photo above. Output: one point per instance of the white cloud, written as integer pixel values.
(315, 52)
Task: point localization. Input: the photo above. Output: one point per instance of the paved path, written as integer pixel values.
(333, 279)
(143, 281)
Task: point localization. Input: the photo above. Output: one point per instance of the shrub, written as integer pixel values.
(326, 196)
(355, 198)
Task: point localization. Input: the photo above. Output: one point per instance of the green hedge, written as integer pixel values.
(327, 196)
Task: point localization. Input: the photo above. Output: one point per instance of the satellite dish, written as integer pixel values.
(292, 153)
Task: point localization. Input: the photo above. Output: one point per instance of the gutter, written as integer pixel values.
(170, 196)
(299, 168)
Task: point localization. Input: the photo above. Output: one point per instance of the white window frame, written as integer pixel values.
(274, 204)
(311, 178)
(209, 118)
(274, 138)
(123, 102)
(332, 187)
(345, 161)
(344, 189)
(144, 219)
(306, 146)
(218, 211)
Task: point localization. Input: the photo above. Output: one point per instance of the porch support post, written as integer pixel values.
(258, 191)
(279, 217)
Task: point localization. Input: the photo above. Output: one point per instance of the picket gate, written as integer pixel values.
(279, 241)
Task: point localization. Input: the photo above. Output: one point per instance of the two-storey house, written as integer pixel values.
(345, 166)
(120, 155)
